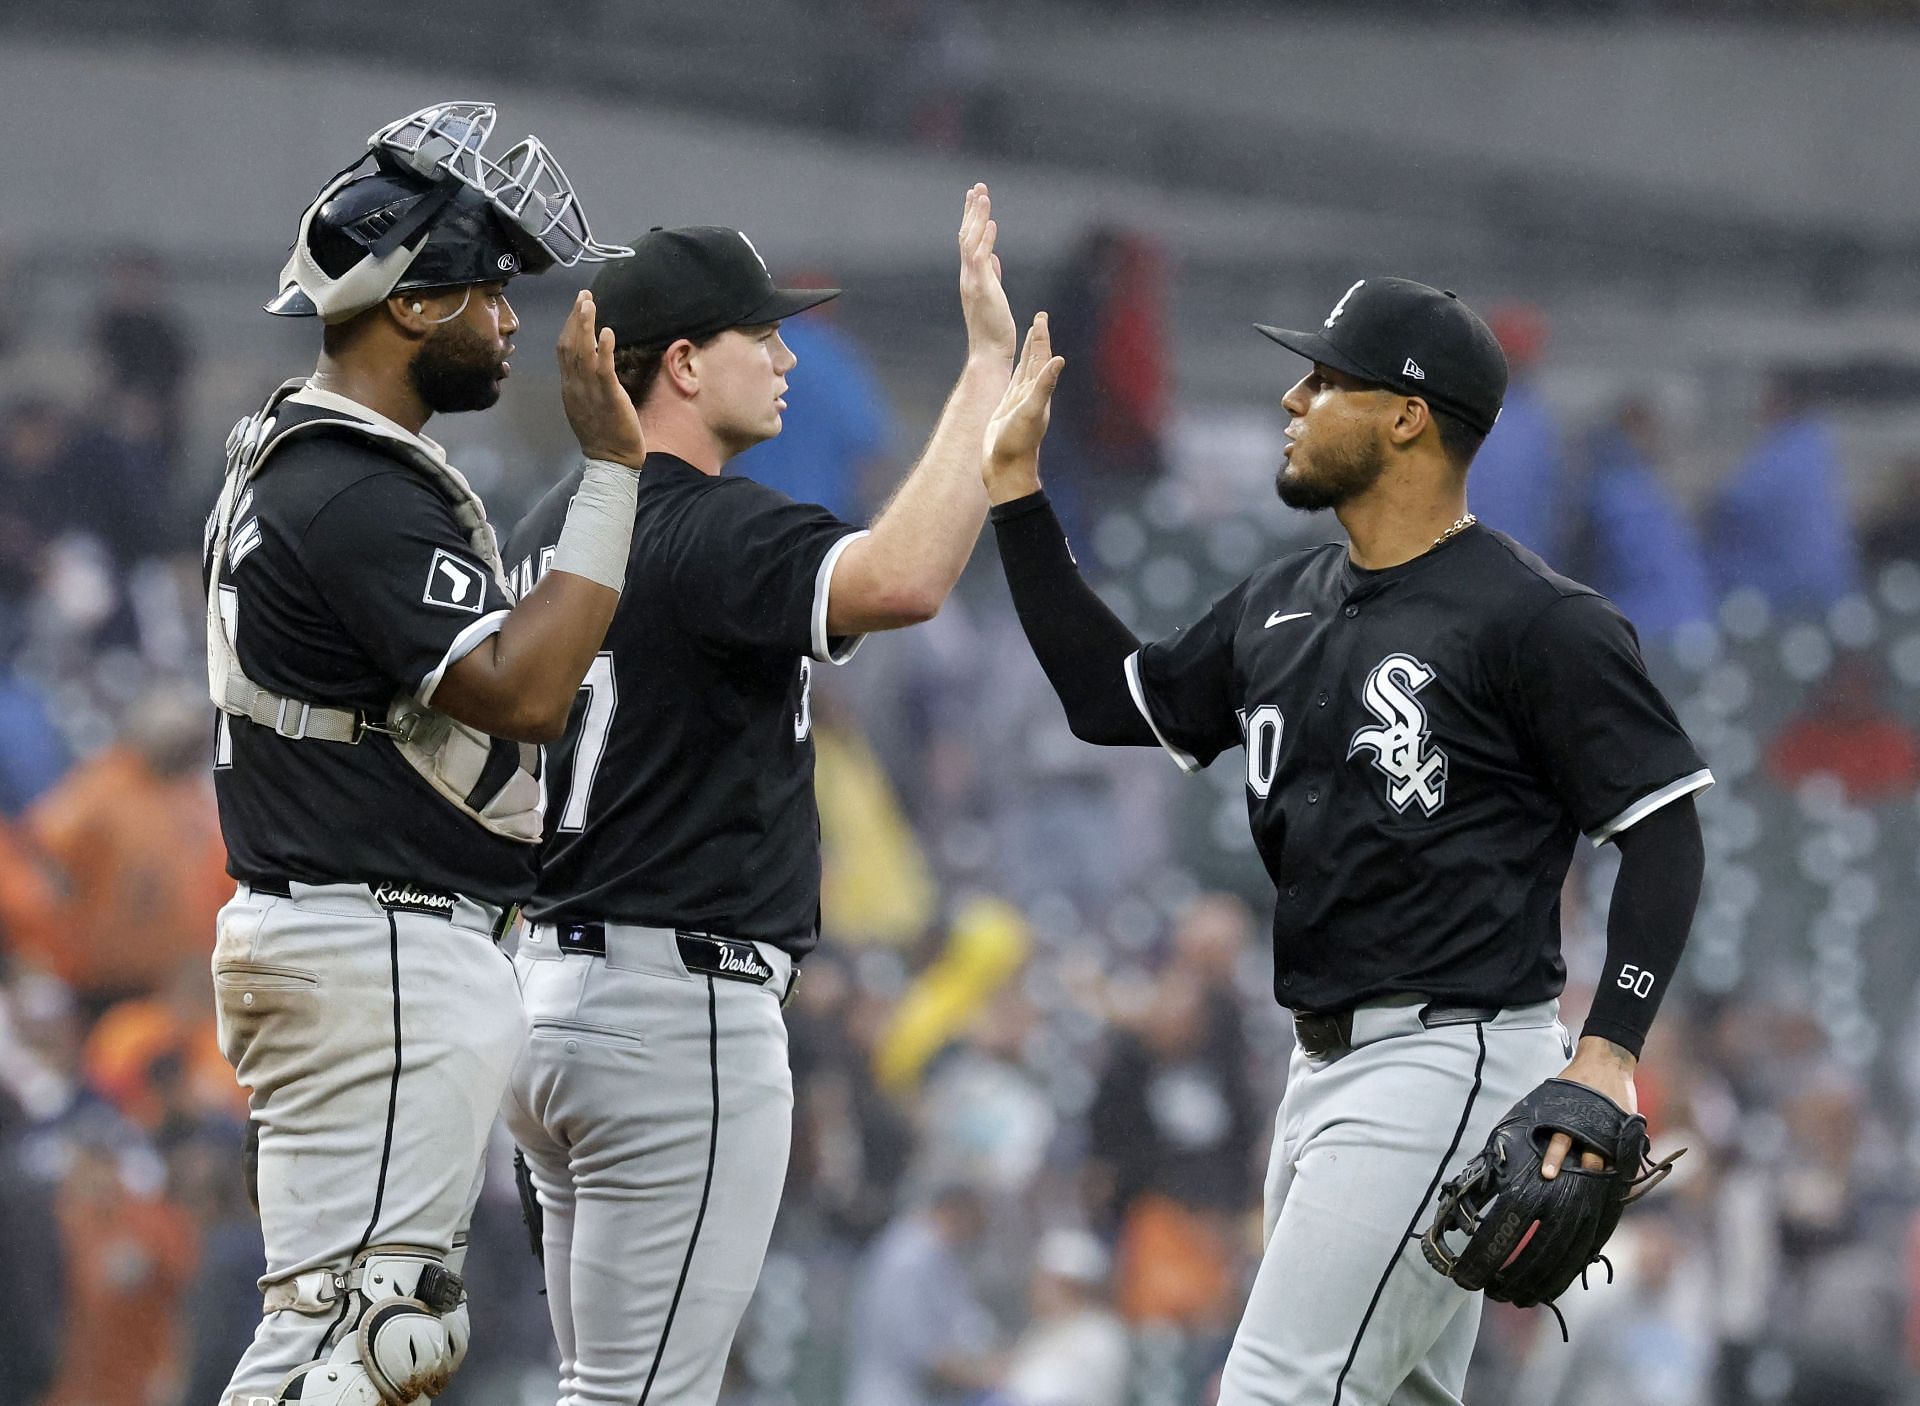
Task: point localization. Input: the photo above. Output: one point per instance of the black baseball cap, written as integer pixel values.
(1410, 338)
(693, 282)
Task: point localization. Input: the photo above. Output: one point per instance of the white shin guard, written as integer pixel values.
(403, 1341)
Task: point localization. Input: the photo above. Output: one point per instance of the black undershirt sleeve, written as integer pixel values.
(1662, 858)
(1081, 644)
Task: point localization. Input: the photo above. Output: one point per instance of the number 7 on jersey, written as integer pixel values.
(602, 699)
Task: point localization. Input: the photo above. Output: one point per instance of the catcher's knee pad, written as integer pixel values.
(402, 1340)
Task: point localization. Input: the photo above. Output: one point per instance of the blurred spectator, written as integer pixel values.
(36, 506)
(1517, 483)
(1631, 541)
(1108, 319)
(1780, 522)
(158, 1060)
(919, 1336)
(985, 947)
(988, 944)
(1171, 1135)
(850, 1142)
(1174, 1115)
(70, 511)
(130, 1256)
(145, 350)
(1846, 730)
(983, 1115)
(837, 433)
(1645, 1338)
(121, 461)
(42, 1037)
(29, 898)
(1075, 1350)
(33, 754)
(1211, 936)
(221, 1303)
(134, 835)
(1892, 531)
(32, 1281)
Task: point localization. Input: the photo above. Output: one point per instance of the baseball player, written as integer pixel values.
(1430, 717)
(379, 696)
(680, 880)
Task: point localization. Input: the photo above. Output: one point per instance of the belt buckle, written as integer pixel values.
(300, 729)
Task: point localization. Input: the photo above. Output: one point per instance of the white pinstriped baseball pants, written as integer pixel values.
(376, 1045)
(655, 1109)
(1345, 1310)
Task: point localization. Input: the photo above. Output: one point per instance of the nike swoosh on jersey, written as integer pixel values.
(1277, 618)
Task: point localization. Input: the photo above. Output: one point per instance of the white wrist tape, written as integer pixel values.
(598, 533)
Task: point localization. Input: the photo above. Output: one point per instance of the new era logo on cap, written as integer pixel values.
(1412, 368)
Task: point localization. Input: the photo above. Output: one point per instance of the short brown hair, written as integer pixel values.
(639, 367)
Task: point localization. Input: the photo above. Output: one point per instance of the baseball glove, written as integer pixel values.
(532, 1214)
(1528, 1239)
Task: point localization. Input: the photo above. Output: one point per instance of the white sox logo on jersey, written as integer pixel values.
(1401, 746)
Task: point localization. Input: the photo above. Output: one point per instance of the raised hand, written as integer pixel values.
(983, 302)
(598, 407)
(1010, 458)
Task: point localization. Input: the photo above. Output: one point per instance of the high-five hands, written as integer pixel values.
(598, 407)
(1010, 458)
(983, 302)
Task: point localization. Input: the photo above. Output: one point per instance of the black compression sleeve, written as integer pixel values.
(1661, 862)
(1082, 645)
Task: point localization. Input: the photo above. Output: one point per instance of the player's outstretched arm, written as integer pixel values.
(1082, 645)
(901, 572)
(1662, 863)
(521, 683)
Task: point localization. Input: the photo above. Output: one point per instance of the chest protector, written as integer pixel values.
(494, 781)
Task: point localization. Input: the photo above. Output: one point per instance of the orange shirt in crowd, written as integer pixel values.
(29, 902)
(131, 1036)
(144, 870)
(129, 1262)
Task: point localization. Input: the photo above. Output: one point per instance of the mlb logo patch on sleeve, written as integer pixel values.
(455, 584)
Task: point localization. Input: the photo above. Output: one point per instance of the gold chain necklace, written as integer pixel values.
(1461, 526)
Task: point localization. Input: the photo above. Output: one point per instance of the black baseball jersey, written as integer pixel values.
(1423, 746)
(682, 793)
(347, 583)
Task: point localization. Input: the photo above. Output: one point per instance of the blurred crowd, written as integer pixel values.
(1037, 1057)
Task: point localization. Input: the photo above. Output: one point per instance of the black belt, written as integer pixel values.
(1326, 1035)
(395, 897)
(729, 958)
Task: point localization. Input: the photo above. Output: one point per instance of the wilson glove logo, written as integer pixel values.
(1402, 744)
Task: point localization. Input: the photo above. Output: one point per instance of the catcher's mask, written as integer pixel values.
(434, 212)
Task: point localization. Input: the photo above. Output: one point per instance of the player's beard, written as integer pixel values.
(1337, 474)
(455, 369)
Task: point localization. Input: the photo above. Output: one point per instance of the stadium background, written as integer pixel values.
(1038, 1057)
